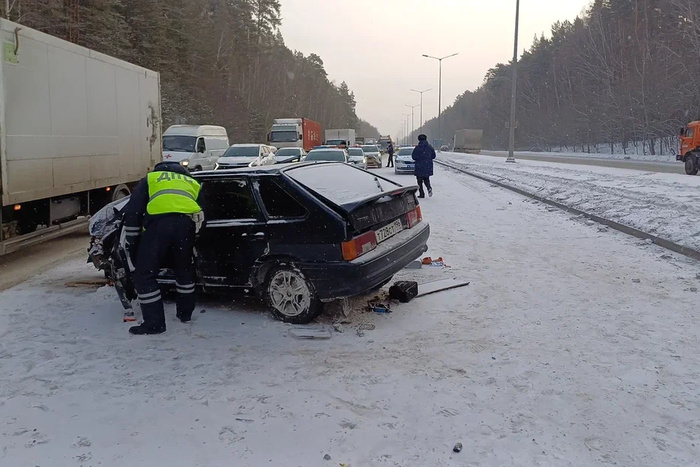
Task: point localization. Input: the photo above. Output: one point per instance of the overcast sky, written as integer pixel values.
(376, 46)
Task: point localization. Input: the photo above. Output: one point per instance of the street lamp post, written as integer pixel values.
(412, 121)
(421, 105)
(406, 126)
(440, 59)
(511, 141)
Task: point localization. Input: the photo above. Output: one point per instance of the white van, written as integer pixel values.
(196, 147)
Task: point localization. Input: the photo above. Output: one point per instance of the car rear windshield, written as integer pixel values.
(288, 152)
(242, 151)
(340, 183)
(179, 143)
(335, 156)
(405, 151)
(370, 148)
(356, 152)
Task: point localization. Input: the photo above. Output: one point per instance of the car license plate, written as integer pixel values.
(389, 231)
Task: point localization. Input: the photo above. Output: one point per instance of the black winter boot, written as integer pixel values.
(184, 317)
(142, 329)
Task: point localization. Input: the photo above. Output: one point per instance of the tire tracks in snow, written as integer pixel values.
(662, 242)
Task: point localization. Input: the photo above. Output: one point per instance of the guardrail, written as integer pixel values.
(662, 242)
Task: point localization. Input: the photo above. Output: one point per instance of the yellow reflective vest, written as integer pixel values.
(170, 192)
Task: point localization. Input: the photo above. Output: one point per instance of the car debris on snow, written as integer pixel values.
(310, 332)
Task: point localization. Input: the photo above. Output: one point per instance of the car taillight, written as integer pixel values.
(414, 217)
(358, 246)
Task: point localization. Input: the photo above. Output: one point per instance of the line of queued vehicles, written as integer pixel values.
(206, 147)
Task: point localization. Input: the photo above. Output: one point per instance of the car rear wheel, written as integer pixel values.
(291, 296)
(691, 165)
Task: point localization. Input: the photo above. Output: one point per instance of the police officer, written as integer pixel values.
(160, 222)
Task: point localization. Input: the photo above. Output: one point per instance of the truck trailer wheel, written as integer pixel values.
(120, 191)
(691, 164)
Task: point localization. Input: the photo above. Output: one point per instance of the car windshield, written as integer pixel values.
(242, 151)
(356, 152)
(284, 152)
(179, 143)
(405, 151)
(283, 136)
(370, 148)
(321, 155)
(341, 183)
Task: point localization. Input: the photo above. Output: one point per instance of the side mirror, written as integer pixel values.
(682, 133)
(269, 137)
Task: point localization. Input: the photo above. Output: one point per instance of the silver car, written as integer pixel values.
(372, 155)
(357, 157)
(328, 155)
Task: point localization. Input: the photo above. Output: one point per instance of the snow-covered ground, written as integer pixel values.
(573, 345)
(596, 155)
(661, 204)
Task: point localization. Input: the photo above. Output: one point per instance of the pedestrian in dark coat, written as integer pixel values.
(423, 155)
(390, 151)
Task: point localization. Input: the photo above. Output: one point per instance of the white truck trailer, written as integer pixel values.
(468, 141)
(77, 130)
(337, 136)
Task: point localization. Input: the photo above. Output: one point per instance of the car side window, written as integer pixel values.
(278, 203)
(689, 132)
(201, 145)
(229, 199)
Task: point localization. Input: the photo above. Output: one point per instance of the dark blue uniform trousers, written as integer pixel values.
(167, 242)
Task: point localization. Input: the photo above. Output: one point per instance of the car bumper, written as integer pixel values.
(348, 279)
(405, 170)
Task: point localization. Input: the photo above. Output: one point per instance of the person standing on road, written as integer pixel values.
(390, 151)
(160, 223)
(423, 155)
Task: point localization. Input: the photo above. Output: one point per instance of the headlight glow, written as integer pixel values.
(184, 163)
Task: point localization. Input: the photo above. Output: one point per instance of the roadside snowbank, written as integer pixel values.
(661, 204)
(595, 155)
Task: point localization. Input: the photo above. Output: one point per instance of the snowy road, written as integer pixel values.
(635, 163)
(573, 345)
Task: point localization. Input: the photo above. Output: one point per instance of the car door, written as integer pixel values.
(208, 162)
(200, 157)
(234, 235)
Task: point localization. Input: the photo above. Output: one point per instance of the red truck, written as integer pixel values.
(295, 133)
(690, 148)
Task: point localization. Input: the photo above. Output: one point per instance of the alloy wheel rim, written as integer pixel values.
(289, 293)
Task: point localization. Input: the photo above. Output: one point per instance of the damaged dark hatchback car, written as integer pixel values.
(297, 235)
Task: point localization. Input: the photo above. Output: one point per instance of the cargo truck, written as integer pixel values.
(468, 141)
(294, 133)
(690, 148)
(77, 130)
(343, 137)
(383, 143)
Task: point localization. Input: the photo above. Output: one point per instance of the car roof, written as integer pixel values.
(247, 145)
(326, 149)
(259, 170)
(195, 130)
